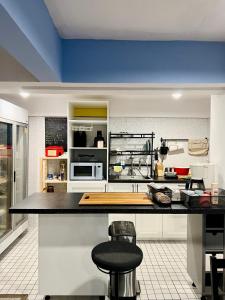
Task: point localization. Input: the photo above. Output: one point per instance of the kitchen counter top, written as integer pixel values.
(68, 203)
(143, 180)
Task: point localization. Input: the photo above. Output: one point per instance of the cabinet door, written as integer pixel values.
(149, 226)
(141, 188)
(121, 187)
(175, 227)
(6, 177)
(20, 169)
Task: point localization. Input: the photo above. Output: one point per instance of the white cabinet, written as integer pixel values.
(86, 186)
(161, 226)
(174, 226)
(149, 226)
(141, 188)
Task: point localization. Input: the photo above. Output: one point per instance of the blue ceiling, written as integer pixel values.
(28, 33)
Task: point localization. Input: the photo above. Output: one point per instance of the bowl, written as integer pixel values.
(182, 171)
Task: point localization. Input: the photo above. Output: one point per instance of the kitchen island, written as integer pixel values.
(68, 232)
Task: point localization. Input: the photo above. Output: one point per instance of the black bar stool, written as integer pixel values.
(116, 257)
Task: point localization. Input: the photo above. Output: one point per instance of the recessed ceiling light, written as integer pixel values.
(177, 95)
(24, 94)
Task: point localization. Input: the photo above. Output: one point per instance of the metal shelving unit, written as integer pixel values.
(132, 152)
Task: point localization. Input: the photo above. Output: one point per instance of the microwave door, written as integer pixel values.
(83, 172)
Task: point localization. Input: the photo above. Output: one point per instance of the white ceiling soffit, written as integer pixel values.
(103, 89)
(139, 19)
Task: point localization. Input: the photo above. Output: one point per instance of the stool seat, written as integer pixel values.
(117, 256)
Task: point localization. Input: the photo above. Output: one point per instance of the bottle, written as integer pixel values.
(80, 139)
(99, 140)
(62, 171)
(159, 169)
(215, 193)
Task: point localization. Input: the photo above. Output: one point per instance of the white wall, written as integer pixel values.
(217, 141)
(36, 151)
(13, 112)
(189, 106)
(194, 106)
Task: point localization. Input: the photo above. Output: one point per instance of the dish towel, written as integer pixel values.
(198, 147)
(176, 149)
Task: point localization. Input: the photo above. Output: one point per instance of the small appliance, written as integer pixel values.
(205, 171)
(86, 171)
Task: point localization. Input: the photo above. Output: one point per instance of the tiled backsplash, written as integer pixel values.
(167, 128)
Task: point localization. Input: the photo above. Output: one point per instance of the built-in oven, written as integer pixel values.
(86, 171)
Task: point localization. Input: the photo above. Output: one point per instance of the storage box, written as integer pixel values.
(205, 201)
(165, 190)
(214, 240)
(54, 151)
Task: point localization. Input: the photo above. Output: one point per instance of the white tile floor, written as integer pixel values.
(162, 274)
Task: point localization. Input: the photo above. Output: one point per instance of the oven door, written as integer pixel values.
(82, 171)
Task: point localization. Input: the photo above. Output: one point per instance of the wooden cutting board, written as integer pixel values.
(115, 199)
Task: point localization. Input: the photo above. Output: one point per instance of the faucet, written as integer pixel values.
(131, 168)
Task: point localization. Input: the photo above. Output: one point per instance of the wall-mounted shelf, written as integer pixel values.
(52, 165)
(130, 152)
(55, 181)
(55, 158)
(88, 121)
(88, 148)
(126, 135)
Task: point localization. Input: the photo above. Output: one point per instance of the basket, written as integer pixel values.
(207, 200)
(152, 192)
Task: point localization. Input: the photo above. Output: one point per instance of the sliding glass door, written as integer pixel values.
(21, 158)
(6, 177)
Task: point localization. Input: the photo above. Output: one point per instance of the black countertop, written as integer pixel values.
(68, 203)
(155, 179)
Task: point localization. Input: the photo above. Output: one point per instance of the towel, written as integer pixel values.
(176, 149)
(198, 147)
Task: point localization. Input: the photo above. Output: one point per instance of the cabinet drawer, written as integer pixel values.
(121, 187)
(214, 240)
(86, 186)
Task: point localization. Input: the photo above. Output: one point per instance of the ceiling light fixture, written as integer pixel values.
(24, 94)
(176, 95)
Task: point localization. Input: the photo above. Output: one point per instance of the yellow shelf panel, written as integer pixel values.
(93, 112)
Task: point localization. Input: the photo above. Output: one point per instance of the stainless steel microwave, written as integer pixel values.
(86, 171)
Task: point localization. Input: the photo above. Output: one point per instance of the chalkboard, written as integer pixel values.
(56, 132)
